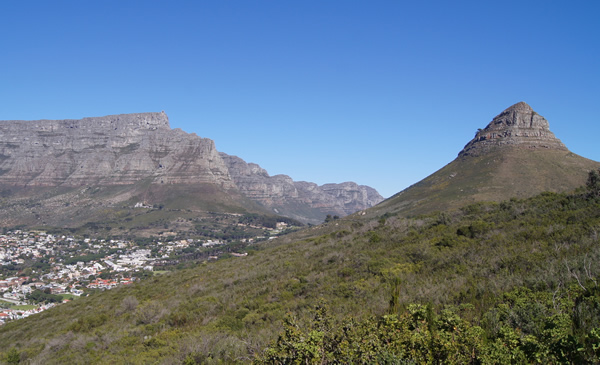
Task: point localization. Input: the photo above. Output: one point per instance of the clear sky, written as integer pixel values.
(382, 93)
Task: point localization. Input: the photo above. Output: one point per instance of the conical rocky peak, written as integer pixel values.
(517, 126)
(520, 106)
(515, 156)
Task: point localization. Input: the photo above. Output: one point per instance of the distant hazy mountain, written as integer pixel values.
(516, 155)
(301, 200)
(66, 172)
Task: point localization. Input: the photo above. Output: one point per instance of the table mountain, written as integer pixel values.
(111, 150)
(515, 155)
(65, 172)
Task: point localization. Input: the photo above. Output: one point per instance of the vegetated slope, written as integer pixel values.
(494, 176)
(232, 309)
(516, 155)
(69, 207)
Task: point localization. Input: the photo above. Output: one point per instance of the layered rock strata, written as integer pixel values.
(514, 156)
(111, 150)
(518, 125)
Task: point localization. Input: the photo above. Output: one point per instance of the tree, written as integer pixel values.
(329, 218)
(593, 183)
(12, 356)
(38, 296)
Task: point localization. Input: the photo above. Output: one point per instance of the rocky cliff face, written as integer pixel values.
(140, 152)
(354, 197)
(518, 125)
(284, 196)
(111, 150)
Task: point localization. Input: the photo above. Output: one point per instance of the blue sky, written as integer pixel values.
(382, 93)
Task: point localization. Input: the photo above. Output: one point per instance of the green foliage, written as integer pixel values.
(476, 229)
(88, 322)
(294, 346)
(330, 218)
(414, 336)
(593, 183)
(527, 327)
(12, 356)
(267, 221)
(38, 296)
(88, 258)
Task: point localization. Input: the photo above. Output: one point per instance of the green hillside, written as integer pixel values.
(112, 209)
(518, 278)
(500, 174)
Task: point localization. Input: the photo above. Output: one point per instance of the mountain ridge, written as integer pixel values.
(133, 155)
(509, 268)
(283, 195)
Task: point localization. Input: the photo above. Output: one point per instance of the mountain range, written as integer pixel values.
(69, 172)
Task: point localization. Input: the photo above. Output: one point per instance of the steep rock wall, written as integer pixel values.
(111, 150)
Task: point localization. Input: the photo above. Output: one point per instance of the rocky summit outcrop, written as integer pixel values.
(518, 125)
(285, 196)
(111, 150)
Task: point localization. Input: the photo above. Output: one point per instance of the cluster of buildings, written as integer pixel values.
(61, 265)
(12, 314)
(67, 266)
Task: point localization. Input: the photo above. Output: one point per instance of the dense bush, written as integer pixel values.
(38, 296)
(523, 327)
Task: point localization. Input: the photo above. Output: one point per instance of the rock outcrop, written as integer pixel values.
(285, 196)
(518, 125)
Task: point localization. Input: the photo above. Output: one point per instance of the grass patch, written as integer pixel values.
(68, 296)
(24, 307)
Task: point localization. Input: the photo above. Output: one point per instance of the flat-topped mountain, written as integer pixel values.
(63, 172)
(516, 155)
(111, 150)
